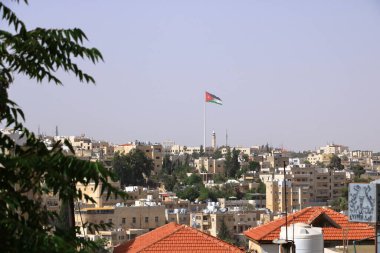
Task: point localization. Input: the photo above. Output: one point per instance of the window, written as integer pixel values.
(146, 219)
(134, 220)
(123, 220)
(156, 219)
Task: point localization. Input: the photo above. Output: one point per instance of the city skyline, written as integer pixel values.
(295, 74)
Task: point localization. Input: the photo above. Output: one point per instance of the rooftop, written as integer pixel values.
(173, 237)
(333, 224)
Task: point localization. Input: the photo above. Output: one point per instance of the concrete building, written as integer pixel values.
(333, 149)
(209, 165)
(318, 186)
(180, 149)
(95, 193)
(361, 153)
(236, 218)
(296, 196)
(124, 217)
(335, 229)
(152, 151)
(314, 158)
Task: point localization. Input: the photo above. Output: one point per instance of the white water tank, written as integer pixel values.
(306, 238)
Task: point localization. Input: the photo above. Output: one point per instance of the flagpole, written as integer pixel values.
(204, 126)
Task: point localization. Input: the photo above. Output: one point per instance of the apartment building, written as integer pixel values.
(333, 149)
(361, 153)
(273, 160)
(236, 221)
(138, 192)
(96, 194)
(294, 199)
(312, 185)
(152, 151)
(179, 216)
(323, 158)
(180, 149)
(82, 145)
(124, 217)
(209, 165)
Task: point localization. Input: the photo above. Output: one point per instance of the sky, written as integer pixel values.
(294, 74)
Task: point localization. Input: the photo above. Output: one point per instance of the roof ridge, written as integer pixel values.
(177, 228)
(282, 220)
(212, 238)
(315, 215)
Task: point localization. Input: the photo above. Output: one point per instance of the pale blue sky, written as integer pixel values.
(296, 74)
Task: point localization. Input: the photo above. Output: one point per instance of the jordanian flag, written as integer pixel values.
(213, 99)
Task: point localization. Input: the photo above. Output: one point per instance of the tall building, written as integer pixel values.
(320, 184)
(213, 141)
(296, 196)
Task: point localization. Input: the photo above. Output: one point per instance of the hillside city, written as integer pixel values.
(226, 192)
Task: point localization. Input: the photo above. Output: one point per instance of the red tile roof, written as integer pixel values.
(338, 224)
(176, 238)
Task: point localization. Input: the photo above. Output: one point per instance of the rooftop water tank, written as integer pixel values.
(306, 238)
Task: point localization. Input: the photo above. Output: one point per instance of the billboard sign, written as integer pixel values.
(362, 203)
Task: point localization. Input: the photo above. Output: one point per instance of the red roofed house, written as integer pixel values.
(173, 237)
(335, 228)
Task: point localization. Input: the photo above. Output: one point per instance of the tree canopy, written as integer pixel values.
(336, 163)
(31, 170)
(133, 168)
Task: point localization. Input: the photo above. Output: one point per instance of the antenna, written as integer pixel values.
(56, 130)
(226, 138)
(286, 205)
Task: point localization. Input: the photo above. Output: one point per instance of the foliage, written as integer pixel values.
(341, 203)
(362, 180)
(169, 182)
(217, 154)
(201, 151)
(102, 245)
(219, 178)
(242, 171)
(133, 168)
(195, 155)
(262, 187)
(336, 163)
(224, 234)
(194, 179)
(167, 165)
(32, 170)
(254, 166)
(358, 170)
(207, 194)
(189, 192)
(231, 163)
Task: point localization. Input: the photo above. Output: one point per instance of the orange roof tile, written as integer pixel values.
(340, 223)
(176, 238)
